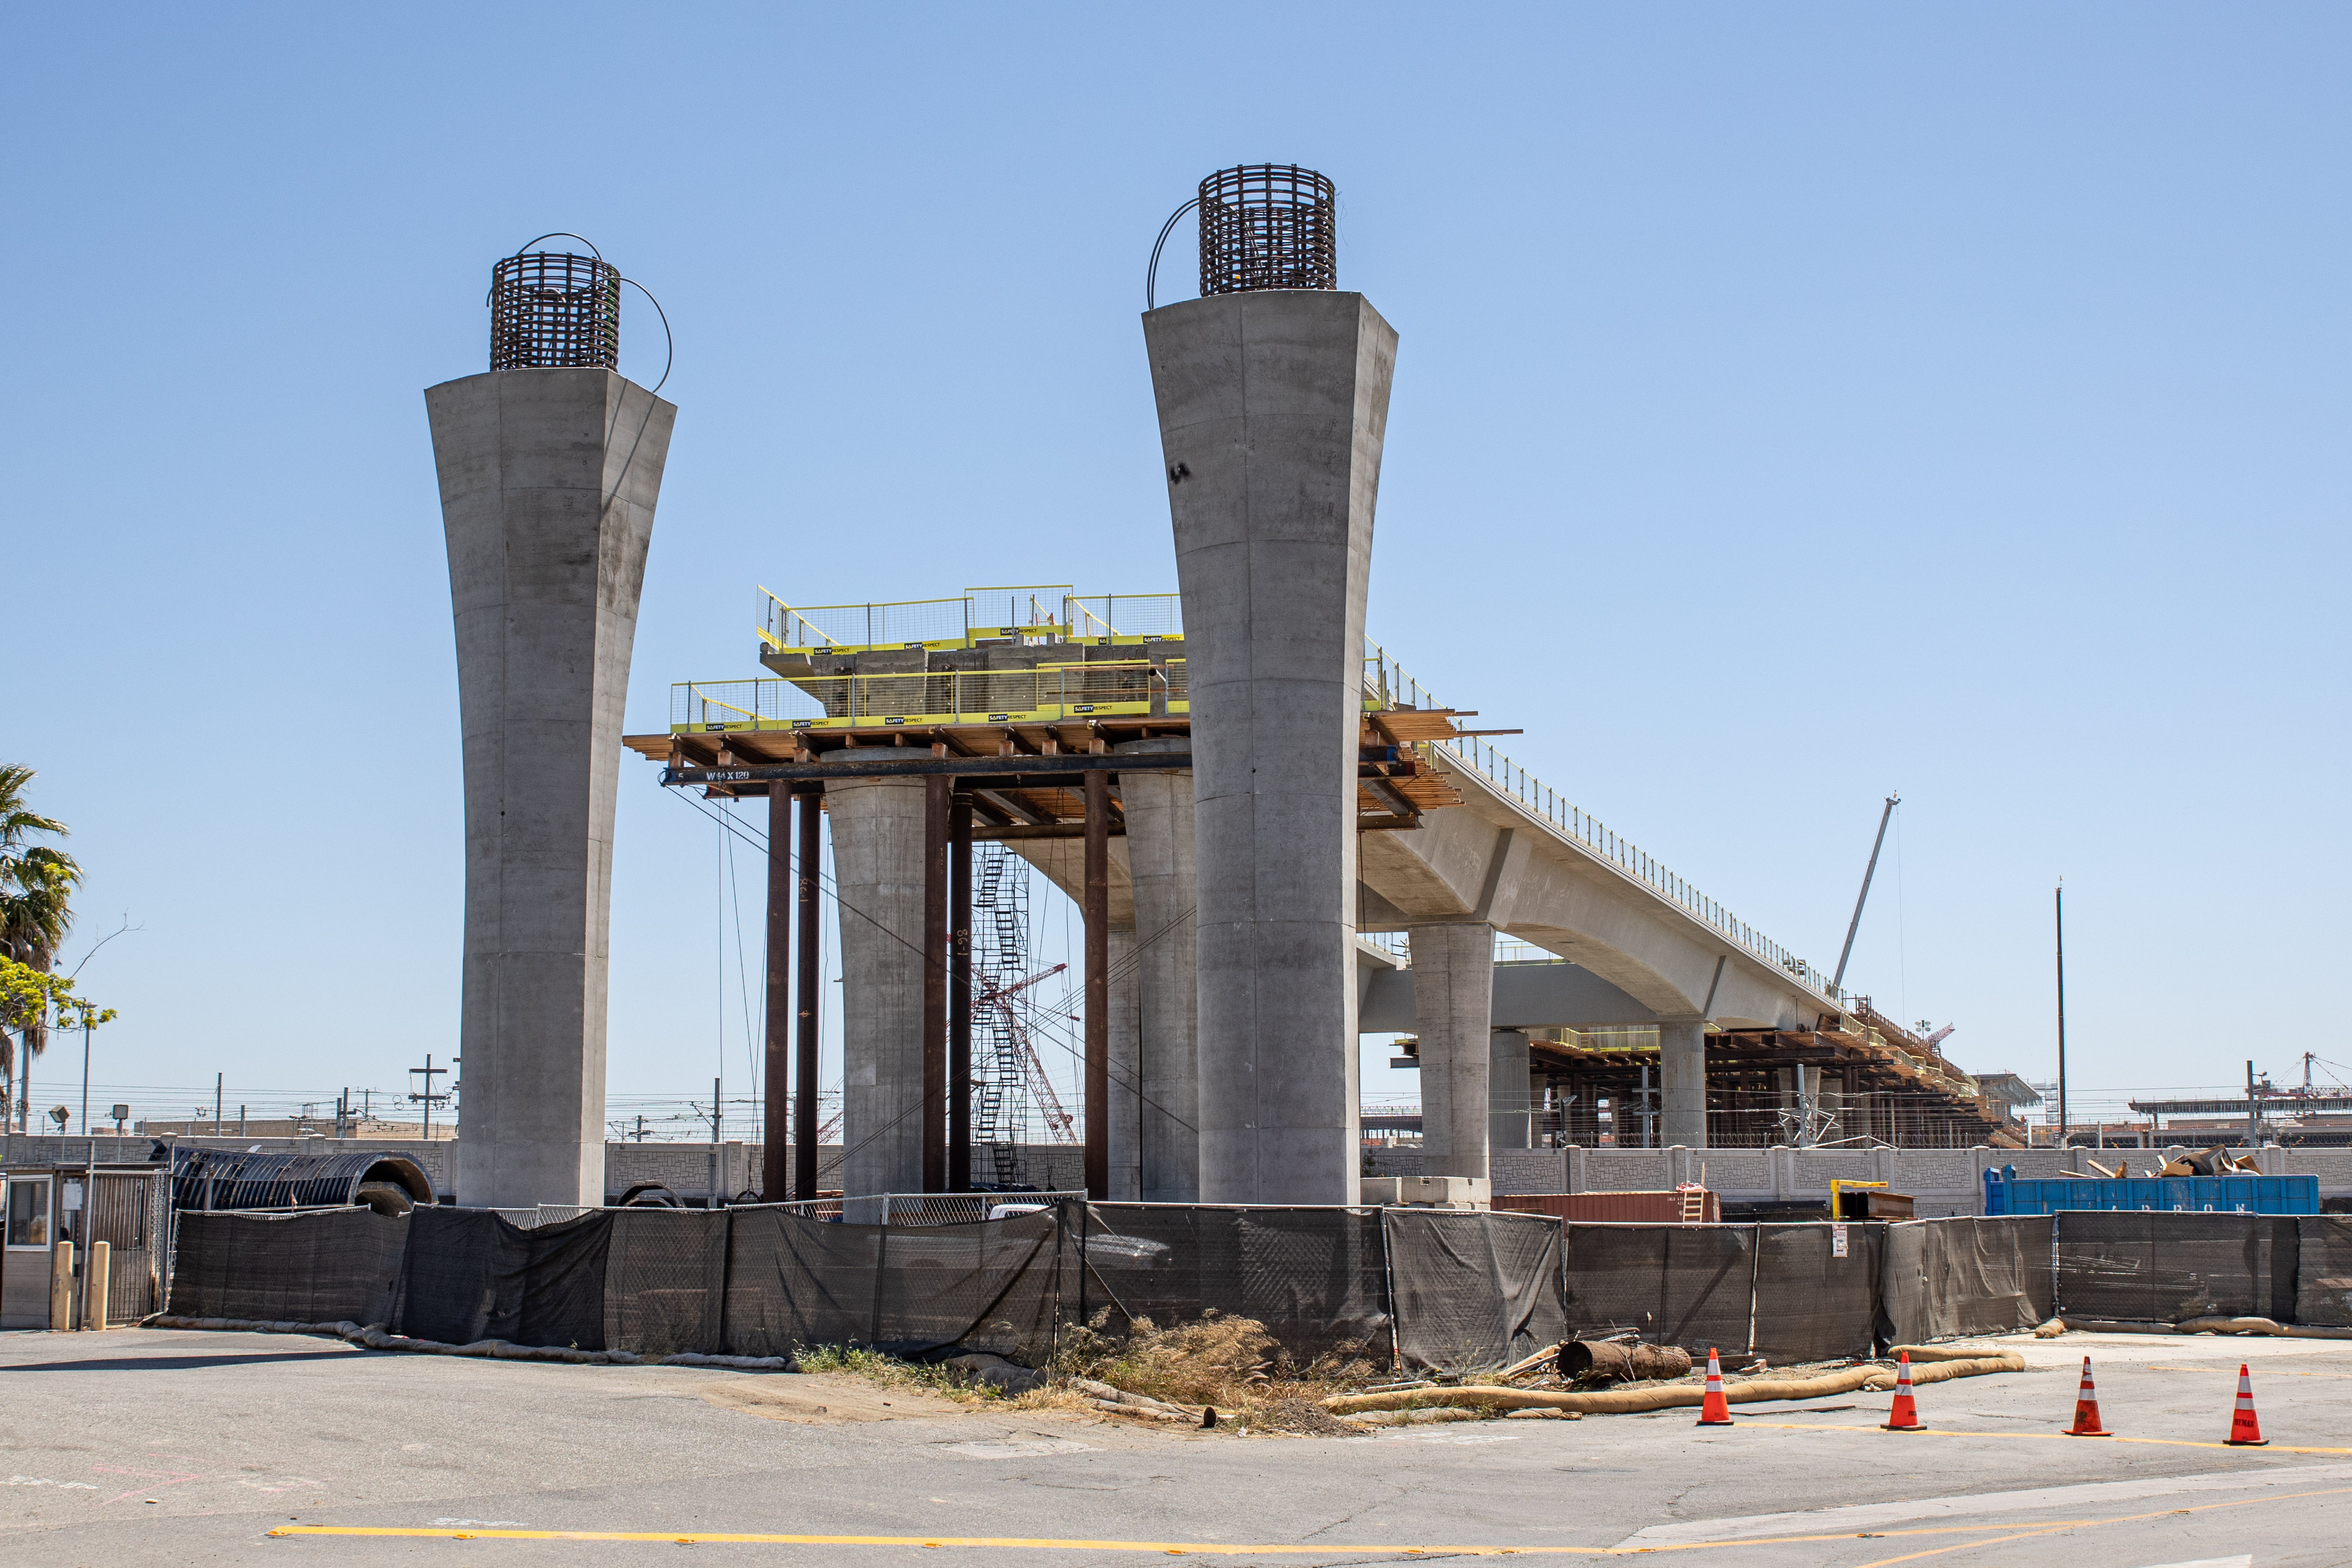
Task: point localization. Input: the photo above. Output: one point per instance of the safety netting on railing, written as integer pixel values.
(1042, 693)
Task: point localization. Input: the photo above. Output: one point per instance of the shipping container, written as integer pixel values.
(2187, 1194)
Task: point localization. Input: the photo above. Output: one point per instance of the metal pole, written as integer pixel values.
(85, 1074)
(718, 1088)
(2254, 1117)
(805, 1040)
(1859, 899)
(217, 1098)
(960, 994)
(1098, 977)
(2061, 911)
(937, 792)
(776, 1081)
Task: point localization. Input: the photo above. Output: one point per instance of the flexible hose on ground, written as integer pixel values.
(1634, 1401)
(2208, 1326)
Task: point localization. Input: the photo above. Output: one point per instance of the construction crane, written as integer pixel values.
(1864, 897)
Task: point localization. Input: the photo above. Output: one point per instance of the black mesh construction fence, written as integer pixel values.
(1472, 1291)
(1316, 1277)
(332, 1267)
(1816, 1290)
(1942, 1279)
(471, 1275)
(1691, 1286)
(2323, 1283)
(665, 1286)
(792, 1280)
(2144, 1266)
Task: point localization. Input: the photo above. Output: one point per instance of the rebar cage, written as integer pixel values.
(549, 309)
(1268, 225)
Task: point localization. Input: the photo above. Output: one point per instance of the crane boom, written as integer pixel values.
(1864, 897)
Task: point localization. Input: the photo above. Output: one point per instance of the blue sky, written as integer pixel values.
(1793, 403)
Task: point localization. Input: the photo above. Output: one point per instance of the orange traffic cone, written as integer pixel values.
(1904, 1416)
(1714, 1410)
(2086, 1409)
(2245, 1432)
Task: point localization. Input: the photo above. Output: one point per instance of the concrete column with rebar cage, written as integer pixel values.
(1273, 393)
(549, 469)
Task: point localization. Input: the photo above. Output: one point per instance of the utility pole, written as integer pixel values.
(2060, 908)
(428, 1098)
(2253, 1115)
(85, 1074)
(217, 1102)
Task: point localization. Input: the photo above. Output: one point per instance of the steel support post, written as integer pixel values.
(776, 1079)
(938, 793)
(804, 1122)
(960, 994)
(1098, 963)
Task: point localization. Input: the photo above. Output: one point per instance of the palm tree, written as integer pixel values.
(36, 886)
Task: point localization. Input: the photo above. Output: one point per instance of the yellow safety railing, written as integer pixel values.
(1025, 613)
(1048, 693)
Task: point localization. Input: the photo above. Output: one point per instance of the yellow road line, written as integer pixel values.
(1327, 1549)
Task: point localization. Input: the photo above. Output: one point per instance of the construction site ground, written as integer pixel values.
(154, 1446)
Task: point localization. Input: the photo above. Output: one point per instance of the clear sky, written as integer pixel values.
(1795, 404)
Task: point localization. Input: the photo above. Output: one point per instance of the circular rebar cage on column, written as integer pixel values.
(1268, 225)
(549, 309)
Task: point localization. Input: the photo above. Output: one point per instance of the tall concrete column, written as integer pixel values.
(1167, 1084)
(879, 876)
(1128, 1113)
(1273, 407)
(549, 480)
(1682, 1083)
(1452, 1003)
(1509, 1091)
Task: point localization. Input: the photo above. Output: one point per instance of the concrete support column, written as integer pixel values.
(879, 877)
(549, 479)
(1510, 1090)
(1681, 1078)
(1273, 407)
(1166, 978)
(1452, 1002)
(1130, 1113)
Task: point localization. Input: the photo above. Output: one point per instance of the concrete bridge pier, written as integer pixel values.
(1273, 407)
(1166, 977)
(548, 479)
(1511, 1083)
(1453, 1005)
(878, 838)
(1682, 1083)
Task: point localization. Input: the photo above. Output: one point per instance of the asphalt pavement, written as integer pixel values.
(137, 1446)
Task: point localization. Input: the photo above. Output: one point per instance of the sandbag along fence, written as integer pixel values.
(1449, 1290)
(1795, 1292)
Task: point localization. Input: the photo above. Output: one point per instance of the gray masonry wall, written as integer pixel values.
(1945, 1182)
(1273, 410)
(549, 479)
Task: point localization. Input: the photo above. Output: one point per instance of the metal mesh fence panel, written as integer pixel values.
(1811, 1304)
(793, 1282)
(666, 1281)
(1472, 1291)
(1674, 1285)
(2149, 1266)
(1315, 1278)
(471, 1275)
(330, 1267)
(1941, 1278)
(2323, 1286)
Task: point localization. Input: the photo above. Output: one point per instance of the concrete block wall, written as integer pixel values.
(1943, 1181)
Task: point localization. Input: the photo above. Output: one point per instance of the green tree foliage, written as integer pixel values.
(36, 887)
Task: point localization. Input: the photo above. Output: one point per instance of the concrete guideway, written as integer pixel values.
(236, 1435)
